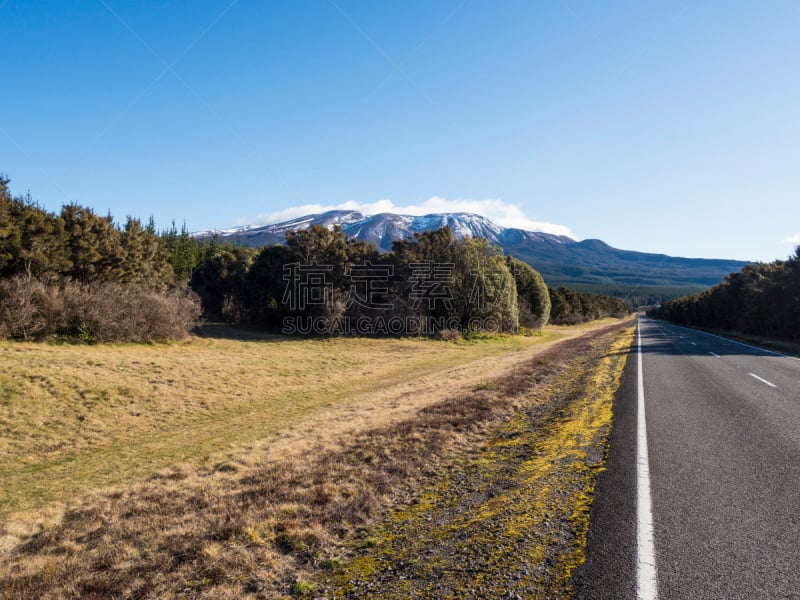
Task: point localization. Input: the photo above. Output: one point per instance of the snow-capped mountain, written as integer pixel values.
(326, 219)
(590, 265)
(384, 228)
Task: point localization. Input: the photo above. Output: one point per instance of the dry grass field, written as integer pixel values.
(117, 457)
(74, 418)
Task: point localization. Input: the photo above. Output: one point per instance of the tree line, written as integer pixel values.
(322, 279)
(762, 299)
(463, 284)
(569, 307)
(78, 275)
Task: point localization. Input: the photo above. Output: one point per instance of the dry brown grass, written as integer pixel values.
(264, 522)
(75, 418)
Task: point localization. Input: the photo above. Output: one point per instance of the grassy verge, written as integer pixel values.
(75, 418)
(513, 521)
(275, 524)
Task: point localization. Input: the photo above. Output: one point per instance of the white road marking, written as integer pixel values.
(646, 582)
(714, 355)
(693, 344)
(762, 380)
(724, 339)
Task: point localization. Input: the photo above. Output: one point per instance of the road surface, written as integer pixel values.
(722, 427)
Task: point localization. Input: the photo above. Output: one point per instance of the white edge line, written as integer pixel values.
(762, 380)
(714, 354)
(646, 582)
(724, 339)
(719, 337)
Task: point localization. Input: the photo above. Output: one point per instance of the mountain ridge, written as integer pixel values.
(587, 265)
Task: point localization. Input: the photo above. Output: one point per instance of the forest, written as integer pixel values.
(762, 299)
(78, 276)
(462, 285)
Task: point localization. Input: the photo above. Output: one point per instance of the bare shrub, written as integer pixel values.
(21, 308)
(119, 312)
(31, 309)
(450, 335)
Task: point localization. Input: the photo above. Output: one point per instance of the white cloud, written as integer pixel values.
(794, 239)
(499, 211)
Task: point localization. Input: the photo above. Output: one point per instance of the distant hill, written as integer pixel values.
(588, 265)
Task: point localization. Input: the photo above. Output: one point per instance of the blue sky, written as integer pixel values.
(667, 126)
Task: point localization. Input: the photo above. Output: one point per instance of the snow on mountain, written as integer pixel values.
(327, 219)
(382, 229)
(589, 264)
(385, 228)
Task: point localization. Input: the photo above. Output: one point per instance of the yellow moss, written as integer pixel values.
(546, 463)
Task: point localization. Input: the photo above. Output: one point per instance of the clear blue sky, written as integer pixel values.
(665, 126)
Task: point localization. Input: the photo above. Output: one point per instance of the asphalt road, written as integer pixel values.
(723, 444)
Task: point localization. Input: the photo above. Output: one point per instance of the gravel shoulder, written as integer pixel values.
(512, 521)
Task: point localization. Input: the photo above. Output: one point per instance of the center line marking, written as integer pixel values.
(762, 380)
(646, 583)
